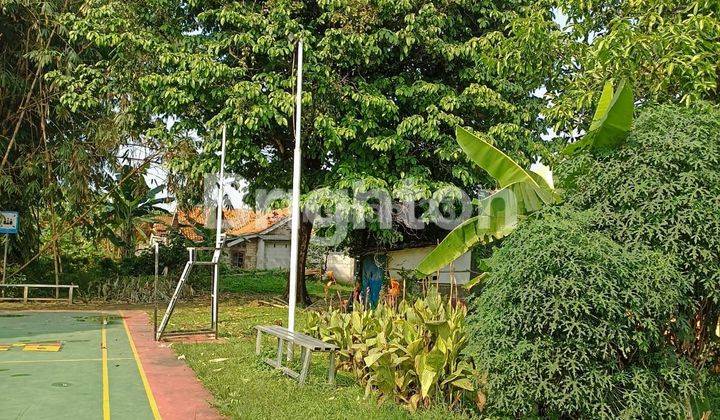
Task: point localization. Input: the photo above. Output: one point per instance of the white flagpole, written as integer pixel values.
(295, 214)
(221, 192)
(218, 240)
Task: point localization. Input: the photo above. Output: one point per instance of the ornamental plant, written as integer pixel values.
(411, 354)
(571, 324)
(662, 189)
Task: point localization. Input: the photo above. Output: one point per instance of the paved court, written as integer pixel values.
(86, 365)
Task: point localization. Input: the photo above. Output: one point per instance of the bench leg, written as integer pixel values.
(331, 371)
(258, 342)
(279, 353)
(305, 355)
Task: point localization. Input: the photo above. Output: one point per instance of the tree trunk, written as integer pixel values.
(302, 296)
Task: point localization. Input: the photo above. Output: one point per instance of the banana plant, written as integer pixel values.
(128, 208)
(612, 121)
(520, 192)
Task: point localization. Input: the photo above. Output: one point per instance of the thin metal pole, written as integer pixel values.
(218, 238)
(155, 297)
(221, 192)
(7, 241)
(295, 215)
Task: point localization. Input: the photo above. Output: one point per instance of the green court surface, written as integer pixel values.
(94, 375)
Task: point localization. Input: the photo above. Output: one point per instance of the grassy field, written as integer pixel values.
(246, 387)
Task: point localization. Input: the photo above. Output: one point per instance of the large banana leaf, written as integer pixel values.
(496, 220)
(612, 120)
(521, 192)
(529, 188)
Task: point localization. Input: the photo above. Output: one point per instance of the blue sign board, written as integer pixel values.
(9, 222)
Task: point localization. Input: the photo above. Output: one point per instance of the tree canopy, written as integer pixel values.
(386, 83)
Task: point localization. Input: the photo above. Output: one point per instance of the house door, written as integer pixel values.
(372, 277)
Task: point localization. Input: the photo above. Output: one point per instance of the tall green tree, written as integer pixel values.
(386, 82)
(667, 49)
(50, 155)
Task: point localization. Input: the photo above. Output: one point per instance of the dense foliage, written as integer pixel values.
(663, 190)
(385, 84)
(410, 354)
(570, 323)
(50, 156)
(667, 49)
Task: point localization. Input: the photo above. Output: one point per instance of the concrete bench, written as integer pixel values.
(308, 345)
(26, 288)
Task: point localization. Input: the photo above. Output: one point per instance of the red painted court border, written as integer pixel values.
(178, 393)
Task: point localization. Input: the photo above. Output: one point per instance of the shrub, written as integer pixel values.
(410, 354)
(570, 323)
(662, 189)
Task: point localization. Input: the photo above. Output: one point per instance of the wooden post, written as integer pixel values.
(25, 294)
(70, 294)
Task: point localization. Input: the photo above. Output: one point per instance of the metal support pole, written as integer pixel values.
(218, 237)
(295, 216)
(155, 297)
(7, 241)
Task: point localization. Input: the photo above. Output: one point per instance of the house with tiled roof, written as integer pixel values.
(254, 240)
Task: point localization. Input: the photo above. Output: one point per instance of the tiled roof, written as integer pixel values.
(259, 223)
(236, 222)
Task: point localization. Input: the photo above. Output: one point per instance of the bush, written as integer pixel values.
(662, 189)
(571, 324)
(410, 354)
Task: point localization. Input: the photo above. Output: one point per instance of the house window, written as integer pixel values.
(238, 259)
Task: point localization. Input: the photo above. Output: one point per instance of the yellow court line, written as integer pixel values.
(9, 362)
(146, 384)
(105, 380)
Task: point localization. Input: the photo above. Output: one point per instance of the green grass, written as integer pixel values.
(271, 282)
(245, 387)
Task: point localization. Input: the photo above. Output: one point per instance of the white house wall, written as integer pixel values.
(408, 259)
(277, 255)
(342, 266)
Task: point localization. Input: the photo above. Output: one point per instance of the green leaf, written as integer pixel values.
(612, 121)
(435, 359)
(491, 224)
(475, 281)
(522, 192)
(494, 161)
(427, 379)
(464, 383)
(373, 357)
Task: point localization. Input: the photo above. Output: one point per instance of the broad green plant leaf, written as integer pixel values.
(521, 192)
(492, 160)
(464, 383)
(427, 380)
(475, 281)
(612, 121)
(531, 189)
(489, 225)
